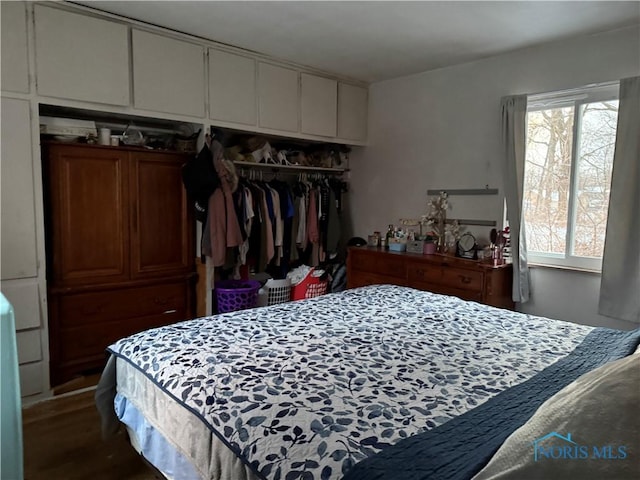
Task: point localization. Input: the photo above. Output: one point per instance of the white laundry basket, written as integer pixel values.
(278, 291)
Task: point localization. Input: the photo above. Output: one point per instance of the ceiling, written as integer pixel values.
(374, 41)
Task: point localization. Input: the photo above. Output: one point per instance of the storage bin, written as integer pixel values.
(309, 287)
(416, 246)
(235, 295)
(278, 291)
(397, 247)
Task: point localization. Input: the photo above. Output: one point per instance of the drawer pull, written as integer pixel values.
(464, 279)
(160, 300)
(167, 312)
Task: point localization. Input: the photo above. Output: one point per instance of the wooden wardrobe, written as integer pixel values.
(120, 249)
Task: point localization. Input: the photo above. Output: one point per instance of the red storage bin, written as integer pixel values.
(309, 287)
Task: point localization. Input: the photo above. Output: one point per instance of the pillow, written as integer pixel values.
(588, 430)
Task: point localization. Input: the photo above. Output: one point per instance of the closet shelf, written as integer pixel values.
(290, 168)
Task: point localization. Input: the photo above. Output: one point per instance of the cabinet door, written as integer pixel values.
(81, 57)
(319, 105)
(168, 74)
(17, 208)
(161, 226)
(352, 112)
(278, 97)
(14, 48)
(232, 88)
(89, 220)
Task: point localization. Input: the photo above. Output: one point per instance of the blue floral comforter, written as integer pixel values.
(307, 389)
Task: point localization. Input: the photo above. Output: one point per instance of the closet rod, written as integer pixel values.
(291, 168)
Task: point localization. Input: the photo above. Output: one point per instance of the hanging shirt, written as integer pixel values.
(248, 214)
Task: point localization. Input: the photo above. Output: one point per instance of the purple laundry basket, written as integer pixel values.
(235, 295)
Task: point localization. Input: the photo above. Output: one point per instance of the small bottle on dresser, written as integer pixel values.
(389, 236)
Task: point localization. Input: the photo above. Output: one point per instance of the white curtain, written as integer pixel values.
(620, 282)
(514, 112)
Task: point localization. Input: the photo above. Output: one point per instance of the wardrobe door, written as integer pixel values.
(88, 234)
(161, 225)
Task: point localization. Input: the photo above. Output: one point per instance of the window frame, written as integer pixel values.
(570, 98)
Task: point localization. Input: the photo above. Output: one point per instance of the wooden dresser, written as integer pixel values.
(467, 279)
(120, 249)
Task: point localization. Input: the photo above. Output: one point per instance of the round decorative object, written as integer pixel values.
(133, 136)
(467, 247)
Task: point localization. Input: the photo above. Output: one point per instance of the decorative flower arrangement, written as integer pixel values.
(436, 219)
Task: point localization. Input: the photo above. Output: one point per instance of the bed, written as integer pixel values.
(378, 382)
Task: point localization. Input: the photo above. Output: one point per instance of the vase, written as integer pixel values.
(441, 231)
(429, 248)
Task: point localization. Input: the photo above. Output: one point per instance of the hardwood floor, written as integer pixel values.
(62, 441)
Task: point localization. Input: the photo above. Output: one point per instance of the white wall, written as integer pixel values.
(568, 295)
(441, 129)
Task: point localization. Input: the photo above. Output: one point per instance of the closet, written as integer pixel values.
(282, 204)
(305, 224)
(120, 249)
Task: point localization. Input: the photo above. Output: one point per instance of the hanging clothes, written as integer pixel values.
(333, 224)
(281, 224)
(224, 228)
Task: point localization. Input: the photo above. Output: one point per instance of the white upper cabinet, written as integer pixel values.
(168, 74)
(278, 96)
(81, 57)
(352, 112)
(319, 105)
(15, 59)
(232, 88)
(17, 214)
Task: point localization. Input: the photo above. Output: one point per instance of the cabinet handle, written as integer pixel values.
(464, 279)
(167, 312)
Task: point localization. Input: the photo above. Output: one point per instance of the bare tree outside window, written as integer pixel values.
(593, 176)
(568, 164)
(547, 179)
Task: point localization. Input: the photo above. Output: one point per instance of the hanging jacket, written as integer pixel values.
(224, 228)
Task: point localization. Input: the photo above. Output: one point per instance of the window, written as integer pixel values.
(567, 175)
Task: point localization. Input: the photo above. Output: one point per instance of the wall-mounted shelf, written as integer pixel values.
(468, 191)
(274, 167)
(464, 221)
(464, 191)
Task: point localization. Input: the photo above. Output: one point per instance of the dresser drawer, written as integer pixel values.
(109, 305)
(92, 340)
(445, 276)
(362, 279)
(381, 264)
(475, 296)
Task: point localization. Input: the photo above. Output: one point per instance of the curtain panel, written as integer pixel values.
(620, 281)
(514, 112)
